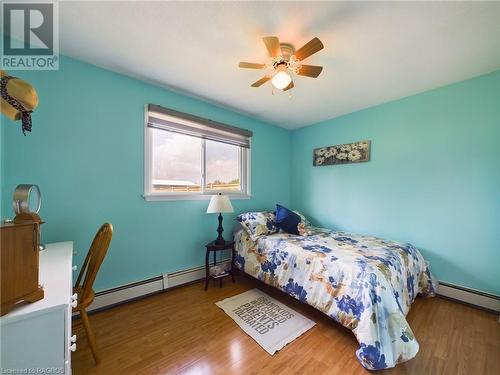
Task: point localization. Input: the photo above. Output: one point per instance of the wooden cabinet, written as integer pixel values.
(38, 335)
(19, 264)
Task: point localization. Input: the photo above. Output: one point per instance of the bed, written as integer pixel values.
(365, 283)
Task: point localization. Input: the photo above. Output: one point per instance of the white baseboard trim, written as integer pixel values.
(124, 293)
(470, 296)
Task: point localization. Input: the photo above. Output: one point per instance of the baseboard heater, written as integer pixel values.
(470, 296)
(128, 292)
(125, 293)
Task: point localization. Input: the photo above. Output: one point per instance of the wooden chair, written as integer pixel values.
(86, 278)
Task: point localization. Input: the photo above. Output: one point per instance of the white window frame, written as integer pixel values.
(150, 195)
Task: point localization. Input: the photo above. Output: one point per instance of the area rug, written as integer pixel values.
(267, 321)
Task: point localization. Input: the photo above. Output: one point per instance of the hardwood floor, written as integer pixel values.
(183, 332)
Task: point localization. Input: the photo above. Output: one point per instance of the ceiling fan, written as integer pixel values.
(286, 60)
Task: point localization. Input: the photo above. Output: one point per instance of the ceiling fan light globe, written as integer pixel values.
(281, 80)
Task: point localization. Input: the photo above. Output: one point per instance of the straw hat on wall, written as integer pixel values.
(23, 92)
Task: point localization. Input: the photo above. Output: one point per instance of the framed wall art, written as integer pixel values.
(342, 154)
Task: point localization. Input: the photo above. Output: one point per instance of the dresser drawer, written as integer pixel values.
(37, 341)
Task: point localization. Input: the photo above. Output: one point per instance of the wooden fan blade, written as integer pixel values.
(273, 45)
(310, 70)
(261, 81)
(311, 47)
(248, 65)
(290, 86)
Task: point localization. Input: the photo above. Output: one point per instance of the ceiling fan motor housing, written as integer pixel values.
(281, 63)
(287, 50)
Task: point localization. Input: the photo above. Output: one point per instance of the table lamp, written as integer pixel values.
(218, 204)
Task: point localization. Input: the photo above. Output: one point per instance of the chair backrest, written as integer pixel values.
(94, 259)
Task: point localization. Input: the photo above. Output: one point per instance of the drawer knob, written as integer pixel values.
(74, 268)
(73, 338)
(72, 347)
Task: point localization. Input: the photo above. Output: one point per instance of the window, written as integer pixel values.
(187, 157)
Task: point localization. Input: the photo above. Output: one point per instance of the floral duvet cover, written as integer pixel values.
(365, 283)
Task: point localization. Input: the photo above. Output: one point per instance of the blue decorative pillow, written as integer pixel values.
(258, 223)
(287, 220)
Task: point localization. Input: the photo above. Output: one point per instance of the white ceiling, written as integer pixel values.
(374, 51)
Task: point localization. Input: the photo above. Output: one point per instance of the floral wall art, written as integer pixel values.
(342, 154)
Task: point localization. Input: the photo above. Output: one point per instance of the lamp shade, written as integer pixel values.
(219, 203)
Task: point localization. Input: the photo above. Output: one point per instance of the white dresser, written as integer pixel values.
(36, 338)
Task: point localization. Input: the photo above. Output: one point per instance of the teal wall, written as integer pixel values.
(86, 152)
(433, 179)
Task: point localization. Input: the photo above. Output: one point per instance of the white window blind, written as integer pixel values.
(184, 123)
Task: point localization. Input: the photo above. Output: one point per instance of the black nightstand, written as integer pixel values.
(214, 248)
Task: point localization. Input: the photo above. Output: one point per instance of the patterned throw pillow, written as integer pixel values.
(258, 223)
(304, 227)
(303, 219)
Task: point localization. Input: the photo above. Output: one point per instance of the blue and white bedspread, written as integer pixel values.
(365, 283)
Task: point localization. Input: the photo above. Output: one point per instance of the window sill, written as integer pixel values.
(189, 197)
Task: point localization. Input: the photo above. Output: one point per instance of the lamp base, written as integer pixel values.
(220, 240)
